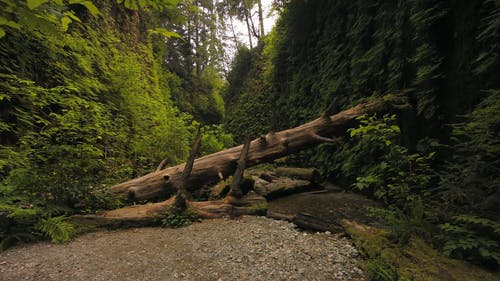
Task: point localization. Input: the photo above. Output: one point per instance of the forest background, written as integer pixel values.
(93, 93)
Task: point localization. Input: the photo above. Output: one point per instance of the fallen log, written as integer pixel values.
(308, 174)
(148, 214)
(210, 168)
(280, 187)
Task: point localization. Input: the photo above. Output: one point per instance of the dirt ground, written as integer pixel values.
(250, 248)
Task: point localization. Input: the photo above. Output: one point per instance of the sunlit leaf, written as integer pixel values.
(65, 21)
(131, 4)
(33, 4)
(165, 32)
(4, 21)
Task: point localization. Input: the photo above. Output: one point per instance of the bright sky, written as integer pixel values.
(242, 31)
(241, 27)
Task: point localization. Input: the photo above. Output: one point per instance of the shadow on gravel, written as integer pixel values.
(332, 204)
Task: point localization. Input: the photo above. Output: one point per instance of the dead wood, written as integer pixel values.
(210, 168)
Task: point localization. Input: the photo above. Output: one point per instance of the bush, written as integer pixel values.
(472, 238)
(381, 167)
(469, 180)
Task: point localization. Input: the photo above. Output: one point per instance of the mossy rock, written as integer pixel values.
(415, 261)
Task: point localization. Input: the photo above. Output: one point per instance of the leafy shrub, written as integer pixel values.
(393, 174)
(84, 111)
(215, 139)
(17, 224)
(381, 167)
(470, 176)
(24, 220)
(470, 186)
(472, 238)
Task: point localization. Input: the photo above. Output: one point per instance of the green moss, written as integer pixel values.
(415, 261)
(258, 209)
(174, 218)
(264, 167)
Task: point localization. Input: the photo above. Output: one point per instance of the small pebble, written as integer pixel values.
(251, 248)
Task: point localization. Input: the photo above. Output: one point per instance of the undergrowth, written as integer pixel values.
(178, 218)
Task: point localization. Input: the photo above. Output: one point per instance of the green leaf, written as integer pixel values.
(91, 7)
(4, 21)
(93, 10)
(2, 32)
(57, 229)
(65, 21)
(72, 16)
(33, 4)
(131, 4)
(165, 32)
(395, 128)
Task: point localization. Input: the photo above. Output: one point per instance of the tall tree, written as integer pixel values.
(261, 18)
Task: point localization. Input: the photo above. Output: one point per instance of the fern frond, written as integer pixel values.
(57, 228)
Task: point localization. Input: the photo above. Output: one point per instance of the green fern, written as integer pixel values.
(472, 238)
(57, 229)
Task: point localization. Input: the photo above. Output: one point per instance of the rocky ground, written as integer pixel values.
(250, 248)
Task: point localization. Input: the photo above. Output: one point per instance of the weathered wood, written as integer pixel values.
(182, 196)
(137, 215)
(280, 187)
(309, 174)
(162, 165)
(274, 145)
(235, 190)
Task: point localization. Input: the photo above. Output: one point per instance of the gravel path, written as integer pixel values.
(251, 248)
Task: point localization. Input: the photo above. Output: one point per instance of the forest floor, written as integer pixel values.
(249, 248)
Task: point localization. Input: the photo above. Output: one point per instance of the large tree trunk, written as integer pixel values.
(210, 168)
(261, 19)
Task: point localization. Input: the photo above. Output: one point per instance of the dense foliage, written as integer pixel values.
(83, 107)
(96, 92)
(435, 167)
